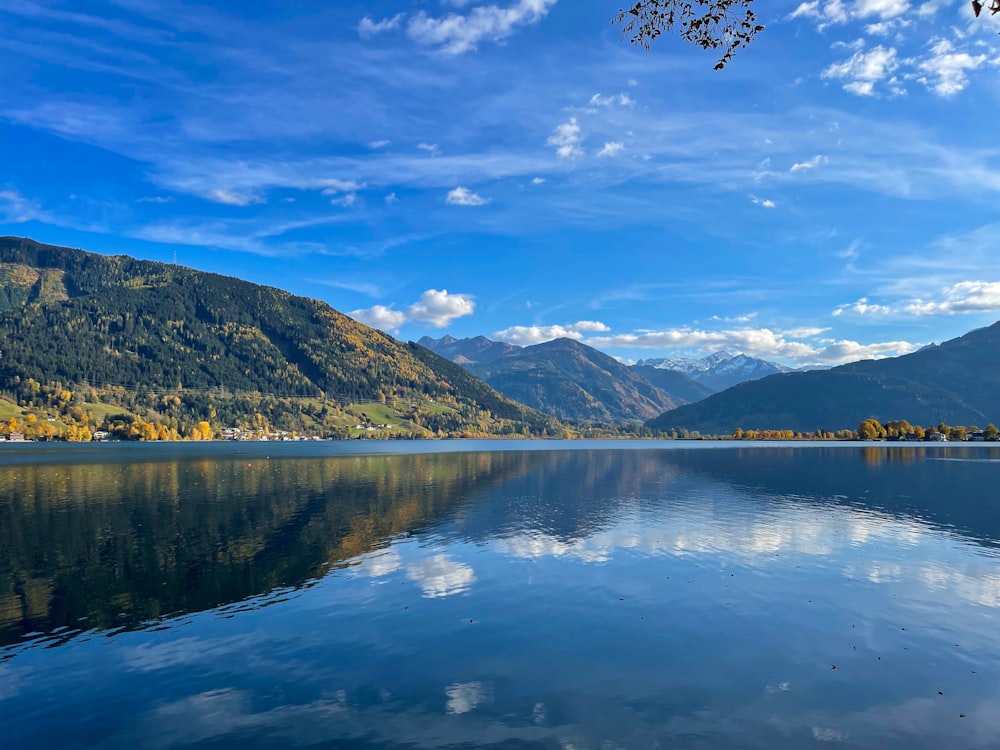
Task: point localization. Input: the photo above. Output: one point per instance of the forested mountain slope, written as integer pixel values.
(957, 382)
(124, 326)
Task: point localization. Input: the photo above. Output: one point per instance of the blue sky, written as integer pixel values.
(513, 168)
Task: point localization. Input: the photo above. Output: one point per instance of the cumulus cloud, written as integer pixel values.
(529, 335)
(964, 297)
(456, 33)
(944, 72)
(967, 296)
(566, 139)
(611, 148)
(435, 309)
(438, 308)
(380, 316)
(762, 202)
(538, 181)
(861, 72)
(809, 164)
(461, 196)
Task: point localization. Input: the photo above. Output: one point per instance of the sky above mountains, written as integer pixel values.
(512, 168)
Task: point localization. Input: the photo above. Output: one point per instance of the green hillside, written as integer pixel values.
(957, 382)
(176, 345)
(574, 382)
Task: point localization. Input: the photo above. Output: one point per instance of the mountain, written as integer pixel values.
(473, 351)
(718, 371)
(575, 382)
(679, 386)
(957, 382)
(176, 345)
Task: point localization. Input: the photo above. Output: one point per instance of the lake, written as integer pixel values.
(499, 595)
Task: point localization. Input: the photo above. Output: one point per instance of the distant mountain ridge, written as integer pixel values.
(477, 350)
(720, 370)
(568, 379)
(956, 382)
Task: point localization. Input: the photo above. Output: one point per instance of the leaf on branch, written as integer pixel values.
(709, 24)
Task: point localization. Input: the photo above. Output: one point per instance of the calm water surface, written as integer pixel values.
(625, 595)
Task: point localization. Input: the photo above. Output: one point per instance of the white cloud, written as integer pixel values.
(381, 317)
(862, 307)
(435, 309)
(529, 335)
(378, 144)
(863, 70)
(838, 12)
(461, 196)
(944, 72)
(963, 297)
(966, 296)
(611, 148)
(809, 164)
(566, 139)
(440, 576)
(538, 181)
(757, 342)
(368, 28)
(806, 332)
(345, 200)
(622, 100)
(881, 8)
(456, 34)
(16, 209)
(391, 198)
(590, 326)
(431, 148)
(465, 696)
(332, 187)
(762, 202)
(438, 308)
(231, 198)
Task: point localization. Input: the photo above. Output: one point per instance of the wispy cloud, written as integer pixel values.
(762, 202)
(758, 342)
(456, 33)
(16, 209)
(368, 28)
(808, 164)
(862, 307)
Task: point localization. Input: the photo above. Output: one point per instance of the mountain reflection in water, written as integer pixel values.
(746, 597)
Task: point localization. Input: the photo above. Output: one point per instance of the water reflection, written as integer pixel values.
(743, 598)
(119, 544)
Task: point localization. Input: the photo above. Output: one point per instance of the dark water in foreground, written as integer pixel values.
(626, 597)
